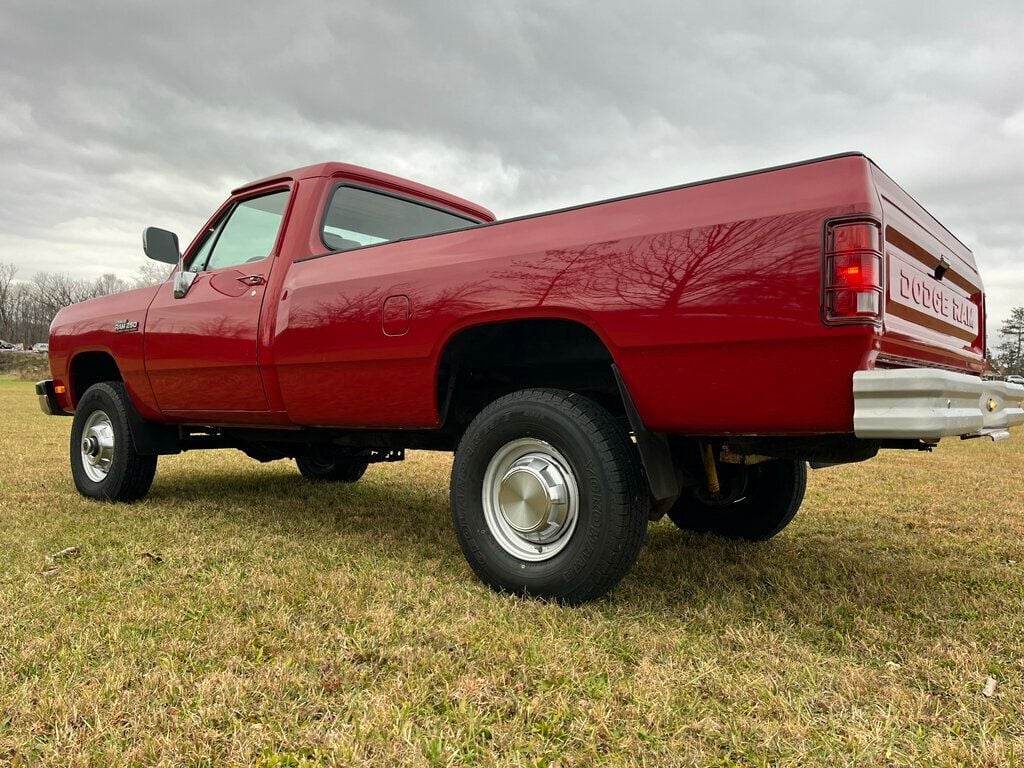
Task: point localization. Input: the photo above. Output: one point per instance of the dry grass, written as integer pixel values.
(293, 624)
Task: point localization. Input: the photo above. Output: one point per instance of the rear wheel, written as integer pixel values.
(548, 497)
(104, 462)
(758, 502)
(328, 467)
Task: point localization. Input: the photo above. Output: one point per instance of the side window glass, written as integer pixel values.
(356, 217)
(198, 262)
(248, 235)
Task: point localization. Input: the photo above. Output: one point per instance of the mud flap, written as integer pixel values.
(663, 476)
(149, 437)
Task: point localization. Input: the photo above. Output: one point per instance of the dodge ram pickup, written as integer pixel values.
(687, 351)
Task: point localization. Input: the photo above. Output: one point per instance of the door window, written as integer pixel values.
(247, 236)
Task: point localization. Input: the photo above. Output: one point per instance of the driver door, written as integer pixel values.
(202, 348)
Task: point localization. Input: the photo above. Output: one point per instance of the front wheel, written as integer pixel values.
(104, 462)
(548, 497)
(762, 500)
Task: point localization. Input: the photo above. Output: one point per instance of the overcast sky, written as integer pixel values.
(114, 117)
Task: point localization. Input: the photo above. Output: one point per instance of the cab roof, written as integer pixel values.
(374, 178)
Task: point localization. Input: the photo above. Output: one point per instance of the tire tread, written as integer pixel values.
(625, 481)
(134, 481)
(777, 496)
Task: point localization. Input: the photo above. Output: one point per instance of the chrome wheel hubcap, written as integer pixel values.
(530, 499)
(97, 446)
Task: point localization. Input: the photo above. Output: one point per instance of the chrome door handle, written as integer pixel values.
(252, 279)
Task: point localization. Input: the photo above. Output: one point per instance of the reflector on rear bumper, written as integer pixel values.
(928, 404)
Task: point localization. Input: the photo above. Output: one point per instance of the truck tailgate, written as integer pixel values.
(934, 302)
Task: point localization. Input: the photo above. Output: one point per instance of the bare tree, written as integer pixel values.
(7, 273)
(1010, 352)
(148, 274)
(27, 307)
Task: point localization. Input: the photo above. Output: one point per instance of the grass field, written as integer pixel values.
(241, 615)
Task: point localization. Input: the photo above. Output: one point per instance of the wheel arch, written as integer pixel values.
(88, 367)
(471, 372)
(96, 366)
(525, 344)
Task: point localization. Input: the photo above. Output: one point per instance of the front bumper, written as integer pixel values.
(48, 399)
(928, 404)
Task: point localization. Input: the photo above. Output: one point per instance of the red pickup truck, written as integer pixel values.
(686, 351)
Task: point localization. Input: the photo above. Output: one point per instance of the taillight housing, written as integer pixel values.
(853, 272)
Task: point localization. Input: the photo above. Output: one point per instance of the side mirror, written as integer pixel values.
(183, 280)
(161, 245)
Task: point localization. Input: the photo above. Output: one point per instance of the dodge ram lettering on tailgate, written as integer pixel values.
(688, 351)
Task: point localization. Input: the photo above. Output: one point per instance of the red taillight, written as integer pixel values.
(853, 272)
(850, 274)
(858, 236)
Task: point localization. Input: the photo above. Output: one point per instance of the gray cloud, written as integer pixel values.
(115, 116)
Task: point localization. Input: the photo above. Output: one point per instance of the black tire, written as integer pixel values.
(126, 476)
(773, 492)
(338, 469)
(612, 499)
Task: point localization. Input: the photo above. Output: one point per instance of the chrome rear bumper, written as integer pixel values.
(928, 404)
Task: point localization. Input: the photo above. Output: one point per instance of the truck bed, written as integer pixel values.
(707, 295)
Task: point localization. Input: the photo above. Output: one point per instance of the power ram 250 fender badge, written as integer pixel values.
(126, 326)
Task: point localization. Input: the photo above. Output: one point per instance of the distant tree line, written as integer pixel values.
(1009, 355)
(28, 306)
